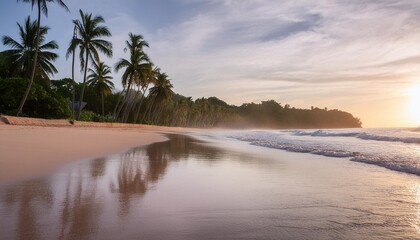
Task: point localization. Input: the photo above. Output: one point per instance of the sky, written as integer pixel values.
(358, 56)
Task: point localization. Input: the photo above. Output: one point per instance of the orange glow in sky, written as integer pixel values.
(413, 105)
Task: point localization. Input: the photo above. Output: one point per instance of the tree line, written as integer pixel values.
(147, 95)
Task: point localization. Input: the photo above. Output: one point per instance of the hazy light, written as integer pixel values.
(413, 105)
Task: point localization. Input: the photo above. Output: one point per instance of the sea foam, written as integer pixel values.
(387, 154)
(360, 135)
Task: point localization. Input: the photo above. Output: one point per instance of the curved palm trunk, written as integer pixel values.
(137, 110)
(136, 117)
(72, 76)
(159, 111)
(127, 109)
(150, 104)
(120, 108)
(83, 87)
(103, 104)
(25, 96)
(115, 116)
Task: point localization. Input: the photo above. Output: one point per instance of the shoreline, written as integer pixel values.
(30, 151)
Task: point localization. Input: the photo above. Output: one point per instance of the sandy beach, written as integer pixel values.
(27, 151)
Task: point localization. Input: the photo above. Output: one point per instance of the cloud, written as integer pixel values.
(283, 41)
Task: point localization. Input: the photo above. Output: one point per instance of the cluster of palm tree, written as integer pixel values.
(203, 112)
(33, 58)
(138, 74)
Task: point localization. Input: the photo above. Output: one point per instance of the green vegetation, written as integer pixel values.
(42, 101)
(147, 95)
(100, 82)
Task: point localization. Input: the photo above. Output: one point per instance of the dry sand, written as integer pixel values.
(27, 151)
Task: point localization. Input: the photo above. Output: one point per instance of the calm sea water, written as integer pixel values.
(220, 189)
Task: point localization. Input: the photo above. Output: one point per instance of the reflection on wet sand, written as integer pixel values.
(29, 200)
(143, 166)
(80, 209)
(187, 189)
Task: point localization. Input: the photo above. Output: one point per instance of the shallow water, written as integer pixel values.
(189, 189)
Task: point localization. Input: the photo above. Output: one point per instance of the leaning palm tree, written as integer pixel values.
(89, 40)
(137, 69)
(100, 81)
(150, 79)
(23, 51)
(42, 7)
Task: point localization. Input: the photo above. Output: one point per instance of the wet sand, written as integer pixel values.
(27, 151)
(185, 188)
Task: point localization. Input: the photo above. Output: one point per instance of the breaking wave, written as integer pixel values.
(360, 135)
(356, 152)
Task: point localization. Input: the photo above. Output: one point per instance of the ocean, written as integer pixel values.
(396, 149)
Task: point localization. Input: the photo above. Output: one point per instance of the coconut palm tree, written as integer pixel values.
(151, 79)
(90, 42)
(137, 71)
(100, 80)
(23, 51)
(161, 93)
(42, 7)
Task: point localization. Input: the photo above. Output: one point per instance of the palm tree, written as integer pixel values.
(137, 70)
(89, 33)
(100, 80)
(23, 51)
(151, 79)
(161, 93)
(42, 6)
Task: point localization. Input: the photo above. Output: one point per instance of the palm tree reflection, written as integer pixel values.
(31, 198)
(80, 209)
(70, 204)
(142, 167)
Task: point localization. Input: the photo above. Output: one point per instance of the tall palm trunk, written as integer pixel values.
(115, 116)
(137, 110)
(159, 119)
(136, 117)
(25, 96)
(117, 113)
(156, 112)
(134, 105)
(103, 104)
(150, 104)
(128, 104)
(83, 87)
(72, 75)
(120, 108)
